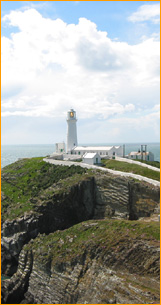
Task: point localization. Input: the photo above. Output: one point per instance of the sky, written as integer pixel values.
(101, 58)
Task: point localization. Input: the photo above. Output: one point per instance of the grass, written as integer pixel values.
(109, 243)
(27, 178)
(152, 163)
(133, 168)
(101, 235)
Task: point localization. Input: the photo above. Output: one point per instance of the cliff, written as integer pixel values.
(39, 199)
(94, 262)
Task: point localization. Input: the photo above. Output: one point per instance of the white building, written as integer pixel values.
(103, 151)
(91, 158)
(71, 131)
(60, 147)
(73, 149)
(134, 155)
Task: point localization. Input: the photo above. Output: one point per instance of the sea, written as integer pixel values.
(11, 153)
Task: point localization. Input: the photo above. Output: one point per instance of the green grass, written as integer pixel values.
(132, 168)
(152, 163)
(29, 178)
(26, 179)
(101, 235)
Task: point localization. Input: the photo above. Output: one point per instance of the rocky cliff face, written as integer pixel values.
(95, 197)
(103, 262)
(13, 290)
(124, 197)
(49, 278)
(52, 212)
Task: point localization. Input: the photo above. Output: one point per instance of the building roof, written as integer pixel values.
(135, 153)
(90, 155)
(96, 148)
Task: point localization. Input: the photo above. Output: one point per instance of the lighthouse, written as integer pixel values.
(71, 130)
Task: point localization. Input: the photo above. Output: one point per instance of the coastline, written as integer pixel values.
(11, 153)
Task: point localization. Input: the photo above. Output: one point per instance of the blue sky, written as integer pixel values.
(110, 16)
(99, 57)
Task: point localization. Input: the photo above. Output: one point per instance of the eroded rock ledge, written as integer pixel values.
(103, 262)
(100, 272)
(95, 197)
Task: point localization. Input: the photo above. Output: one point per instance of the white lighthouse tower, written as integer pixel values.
(72, 130)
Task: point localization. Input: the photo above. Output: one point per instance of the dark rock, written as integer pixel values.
(13, 289)
(122, 273)
(94, 197)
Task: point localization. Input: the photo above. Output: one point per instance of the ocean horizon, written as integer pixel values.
(11, 153)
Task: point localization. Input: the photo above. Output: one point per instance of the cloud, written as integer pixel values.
(143, 123)
(147, 12)
(58, 65)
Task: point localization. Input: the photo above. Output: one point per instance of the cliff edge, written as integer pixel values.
(51, 253)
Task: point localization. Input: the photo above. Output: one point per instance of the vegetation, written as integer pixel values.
(27, 178)
(133, 168)
(31, 178)
(152, 163)
(100, 235)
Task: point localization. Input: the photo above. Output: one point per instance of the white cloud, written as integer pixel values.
(59, 65)
(156, 108)
(144, 123)
(146, 12)
(138, 122)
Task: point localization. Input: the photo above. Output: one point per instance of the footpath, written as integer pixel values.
(114, 172)
(137, 163)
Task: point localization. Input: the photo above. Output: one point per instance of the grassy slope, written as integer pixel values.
(66, 245)
(152, 163)
(25, 179)
(133, 168)
(28, 178)
(109, 242)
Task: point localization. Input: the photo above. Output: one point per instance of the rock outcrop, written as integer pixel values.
(45, 274)
(95, 197)
(57, 211)
(13, 290)
(122, 197)
(89, 264)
